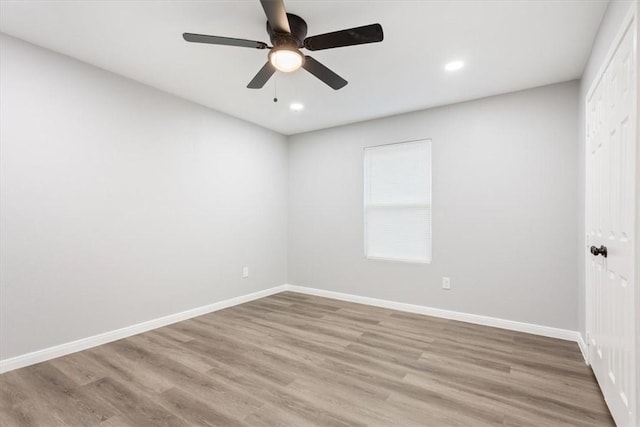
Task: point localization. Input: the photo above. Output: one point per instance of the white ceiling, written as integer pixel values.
(506, 45)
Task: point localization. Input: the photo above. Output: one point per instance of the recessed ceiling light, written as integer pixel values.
(454, 65)
(296, 106)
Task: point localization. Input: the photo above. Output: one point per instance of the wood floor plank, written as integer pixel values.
(116, 421)
(63, 399)
(160, 345)
(136, 408)
(13, 389)
(80, 368)
(127, 371)
(300, 360)
(34, 413)
(273, 415)
(190, 380)
(195, 411)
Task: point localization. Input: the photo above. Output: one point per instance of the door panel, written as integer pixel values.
(610, 216)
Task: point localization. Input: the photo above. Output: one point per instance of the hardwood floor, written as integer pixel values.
(293, 359)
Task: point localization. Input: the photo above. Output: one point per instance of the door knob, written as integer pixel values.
(602, 250)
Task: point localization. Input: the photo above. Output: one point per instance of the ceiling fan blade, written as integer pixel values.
(262, 77)
(323, 73)
(353, 36)
(226, 41)
(276, 15)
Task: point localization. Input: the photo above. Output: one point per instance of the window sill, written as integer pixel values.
(401, 260)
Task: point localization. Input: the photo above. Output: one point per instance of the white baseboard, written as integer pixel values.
(93, 341)
(547, 331)
(96, 340)
(583, 348)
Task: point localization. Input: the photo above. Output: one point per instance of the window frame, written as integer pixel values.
(396, 205)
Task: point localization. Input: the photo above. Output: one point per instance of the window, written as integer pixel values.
(397, 202)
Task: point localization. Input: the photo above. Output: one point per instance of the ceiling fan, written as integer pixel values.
(287, 33)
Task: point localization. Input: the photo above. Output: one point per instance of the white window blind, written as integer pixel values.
(397, 201)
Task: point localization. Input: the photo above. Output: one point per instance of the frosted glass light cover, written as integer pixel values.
(285, 60)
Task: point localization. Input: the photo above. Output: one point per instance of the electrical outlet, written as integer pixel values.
(446, 283)
(245, 272)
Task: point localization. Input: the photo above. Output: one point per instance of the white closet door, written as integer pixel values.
(610, 216)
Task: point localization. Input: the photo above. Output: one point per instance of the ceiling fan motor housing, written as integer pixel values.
(296, 38)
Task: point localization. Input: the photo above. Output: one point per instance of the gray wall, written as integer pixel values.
(609, 27)
(504, 202)
(148, 205)
(121, 204)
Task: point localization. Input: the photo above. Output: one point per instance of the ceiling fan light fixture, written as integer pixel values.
(288, 34)
(286, 59)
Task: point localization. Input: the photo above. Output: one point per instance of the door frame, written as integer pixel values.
(634, 16)
(629, 20)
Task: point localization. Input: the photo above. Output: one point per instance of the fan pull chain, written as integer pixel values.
(275, 88)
